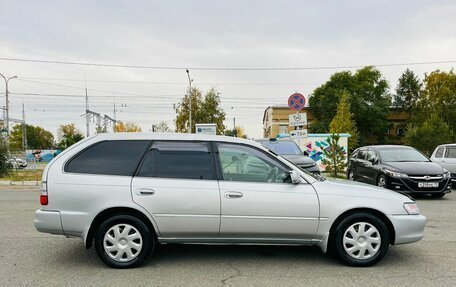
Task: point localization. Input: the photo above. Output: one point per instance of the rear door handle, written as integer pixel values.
(233, 194)
(145, 191)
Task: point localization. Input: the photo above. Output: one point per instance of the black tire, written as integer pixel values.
(147, 240)
(438, 195)
(337, 244)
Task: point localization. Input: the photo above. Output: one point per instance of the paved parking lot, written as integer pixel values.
(31, 258)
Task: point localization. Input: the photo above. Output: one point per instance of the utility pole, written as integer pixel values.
(7, 102)
(190, 98)
(87, 112)
(24, 130)
(234, 127)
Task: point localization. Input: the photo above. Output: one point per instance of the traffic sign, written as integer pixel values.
(297, 134)
(296, 102)
(296, 120)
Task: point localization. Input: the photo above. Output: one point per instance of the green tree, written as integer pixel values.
(237, 132)
(335, 156)
(37, 138)
(369, 98)
(425, 137)
(68, 135)
(343, 121)
(438, 97)
(204, 110)
(408, 91)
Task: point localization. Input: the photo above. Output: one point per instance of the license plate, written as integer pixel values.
(428, 184)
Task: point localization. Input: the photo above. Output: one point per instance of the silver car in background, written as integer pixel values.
(445, 156)
(127, 192)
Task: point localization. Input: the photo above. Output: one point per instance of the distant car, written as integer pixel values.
(445, 156)
(16, 163)
(400, 168)
(292, 152)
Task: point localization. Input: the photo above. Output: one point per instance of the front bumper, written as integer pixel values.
(411, 186)
(48, 221)
(408, 228)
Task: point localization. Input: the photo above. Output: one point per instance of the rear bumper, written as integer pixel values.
(48, 221)
(408, 228)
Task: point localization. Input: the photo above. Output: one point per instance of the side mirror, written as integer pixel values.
(306, 153)
(375, 161)
(295, 177)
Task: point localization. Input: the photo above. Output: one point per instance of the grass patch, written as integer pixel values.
(23, 175)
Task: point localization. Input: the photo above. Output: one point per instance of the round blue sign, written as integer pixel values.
(296, 102)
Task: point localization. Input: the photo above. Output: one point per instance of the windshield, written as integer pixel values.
(401, 155)
(282, 147)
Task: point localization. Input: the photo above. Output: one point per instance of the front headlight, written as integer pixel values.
(411, 208)
(395, 173)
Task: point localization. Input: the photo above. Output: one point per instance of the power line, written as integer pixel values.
(223, 68)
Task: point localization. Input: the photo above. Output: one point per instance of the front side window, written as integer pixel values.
(118, 157)
(439, 152)
(243, 163)
(370, 156)
(187, 160)
(450, 152)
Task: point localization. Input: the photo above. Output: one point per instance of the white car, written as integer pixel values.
(445, 155)
(126, 192)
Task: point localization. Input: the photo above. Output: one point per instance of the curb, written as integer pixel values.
(23, 183)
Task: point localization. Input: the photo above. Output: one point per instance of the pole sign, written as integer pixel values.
(296, 102)
(296, 120)
(297, 134)
(208, 129)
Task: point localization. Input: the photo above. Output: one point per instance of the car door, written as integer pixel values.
(262, 203)
(177, 185)
(370, 169)
(361, 165)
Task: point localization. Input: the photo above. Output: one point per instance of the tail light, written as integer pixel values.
(44, 194)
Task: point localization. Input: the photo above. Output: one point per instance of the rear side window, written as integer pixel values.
(354, 154)
(187, 160)
(109, 157)
(439, 152)
(450, 152)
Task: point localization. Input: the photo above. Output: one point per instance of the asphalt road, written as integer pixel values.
(30, 258)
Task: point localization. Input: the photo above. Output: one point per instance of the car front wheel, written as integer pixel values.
(361, 240)
(123, 241)
(350, 175)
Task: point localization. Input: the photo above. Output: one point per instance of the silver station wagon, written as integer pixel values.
(127, 192)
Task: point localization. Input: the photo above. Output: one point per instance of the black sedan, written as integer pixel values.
(400, 168)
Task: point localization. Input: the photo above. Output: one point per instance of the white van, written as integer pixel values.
(445, 155)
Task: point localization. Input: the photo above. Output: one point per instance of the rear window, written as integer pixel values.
(187, 160)
(362, 154)
(282, 147)
(109, 157)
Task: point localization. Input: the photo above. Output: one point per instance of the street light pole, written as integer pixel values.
(7, 102)
(190, 98)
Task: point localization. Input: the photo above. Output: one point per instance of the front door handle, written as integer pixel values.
(145, 191)
(233, 194)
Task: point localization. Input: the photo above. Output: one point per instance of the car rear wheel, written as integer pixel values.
(350, 175)
(381, 181)
(360, 239)
(123, 241)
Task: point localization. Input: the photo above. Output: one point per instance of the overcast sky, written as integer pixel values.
(205, 34)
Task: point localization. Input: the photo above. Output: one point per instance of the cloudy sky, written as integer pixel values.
(215, 34)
